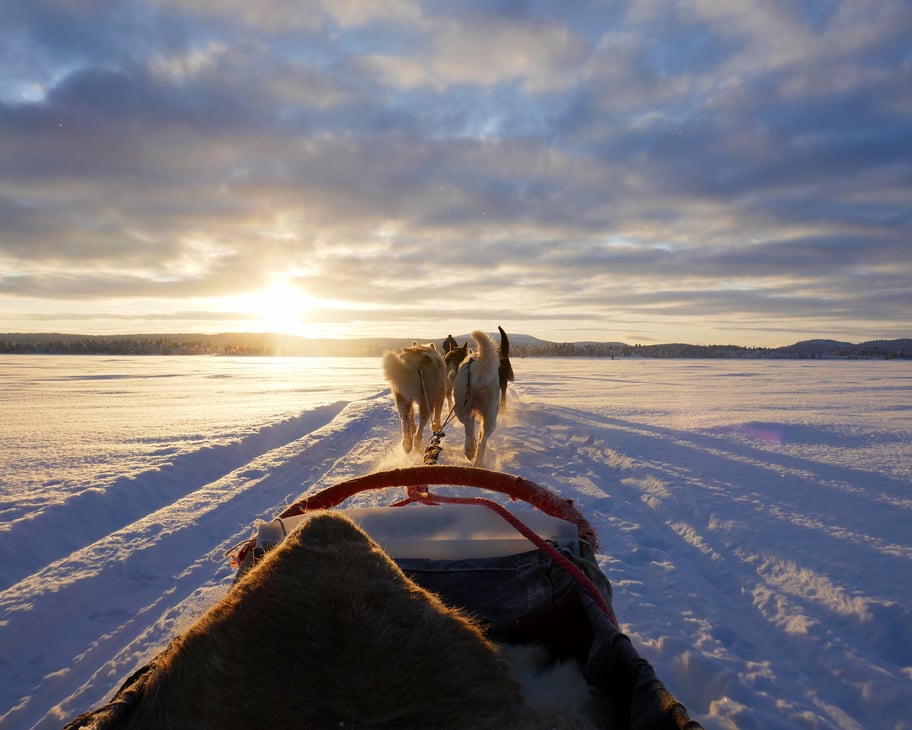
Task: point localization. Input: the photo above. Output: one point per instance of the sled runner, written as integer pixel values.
(443, 609)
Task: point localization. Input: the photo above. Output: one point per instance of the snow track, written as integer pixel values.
(123, 595)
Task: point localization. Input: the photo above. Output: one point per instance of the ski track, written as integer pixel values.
(152, 563)
(678, 534)
(129, 498)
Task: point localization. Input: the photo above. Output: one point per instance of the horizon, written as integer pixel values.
(640, 172)
(516, 338)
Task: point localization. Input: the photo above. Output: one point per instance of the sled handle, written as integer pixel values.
(515, 487)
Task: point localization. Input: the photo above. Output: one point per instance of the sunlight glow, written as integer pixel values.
(282, 308)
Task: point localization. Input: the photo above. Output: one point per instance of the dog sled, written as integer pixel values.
(441, 609)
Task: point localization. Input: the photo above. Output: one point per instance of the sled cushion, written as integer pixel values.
(440, 532)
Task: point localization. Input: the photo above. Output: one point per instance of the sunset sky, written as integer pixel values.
(644, 171)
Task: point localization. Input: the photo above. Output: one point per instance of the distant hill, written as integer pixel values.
(240, 343)
(819, 346)
(834, 349)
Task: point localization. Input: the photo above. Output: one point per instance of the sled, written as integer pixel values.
(522, 568)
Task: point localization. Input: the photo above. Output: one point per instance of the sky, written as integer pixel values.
(644, 171)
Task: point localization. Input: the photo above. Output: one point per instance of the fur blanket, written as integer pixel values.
(327, 632)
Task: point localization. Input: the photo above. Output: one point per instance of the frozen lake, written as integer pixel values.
(753, 514)
(69, 423)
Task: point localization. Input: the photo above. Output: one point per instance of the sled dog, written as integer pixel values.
(416, 378)
(451, 362)
(476, 389)
(505, 369)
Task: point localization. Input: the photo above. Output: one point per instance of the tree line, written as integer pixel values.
(256, 344)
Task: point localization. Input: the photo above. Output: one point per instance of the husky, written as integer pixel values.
(504, 369)
(451, 362)
(416, 376)
(476, 388)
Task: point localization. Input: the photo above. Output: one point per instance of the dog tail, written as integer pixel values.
(504, 343)
(488, 359)
(506, 368)
(393, 367)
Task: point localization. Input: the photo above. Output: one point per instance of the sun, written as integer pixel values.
(281, 307)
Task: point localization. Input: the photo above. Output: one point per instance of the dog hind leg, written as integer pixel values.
(408, 424)
(424, 415)
(470, 444)
(488, 424)
(438, 412)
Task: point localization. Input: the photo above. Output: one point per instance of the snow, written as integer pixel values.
(753, 515)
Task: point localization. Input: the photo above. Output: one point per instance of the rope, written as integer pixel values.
(447, 420)
(433, 449)
(468, 366)
(421, 495)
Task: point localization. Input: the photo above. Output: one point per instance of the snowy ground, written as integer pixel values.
(754, 516)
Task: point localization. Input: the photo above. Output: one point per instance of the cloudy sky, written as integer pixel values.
(643, 171)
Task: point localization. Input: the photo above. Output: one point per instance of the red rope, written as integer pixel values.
(417, 495)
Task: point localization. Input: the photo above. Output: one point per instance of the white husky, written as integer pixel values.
(476, 395)
(416, 376)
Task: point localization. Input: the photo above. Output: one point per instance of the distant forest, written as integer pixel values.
(255, 344)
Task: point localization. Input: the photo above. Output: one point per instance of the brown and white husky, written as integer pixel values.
(416, 377)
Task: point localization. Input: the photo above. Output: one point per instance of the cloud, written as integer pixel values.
(575, 165)
(485, 50)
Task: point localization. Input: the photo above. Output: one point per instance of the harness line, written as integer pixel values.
(433, 449)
